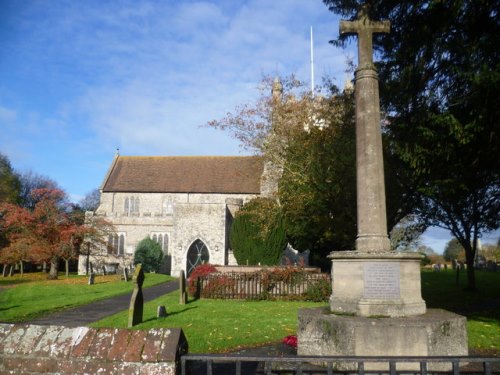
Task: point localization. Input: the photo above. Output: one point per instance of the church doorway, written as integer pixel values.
(196, 255)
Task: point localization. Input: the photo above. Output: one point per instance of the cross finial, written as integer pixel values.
(365, 28)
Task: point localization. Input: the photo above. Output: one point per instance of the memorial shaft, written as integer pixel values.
(371, 207)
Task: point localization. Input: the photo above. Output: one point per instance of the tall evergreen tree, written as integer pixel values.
(439, 70)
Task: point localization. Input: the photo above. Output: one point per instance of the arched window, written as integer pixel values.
(116, 244)
(121, 245)
(110, 244)
(126, 206)
(136, 207)
(165, 244)
(161, 239)
(197, 254)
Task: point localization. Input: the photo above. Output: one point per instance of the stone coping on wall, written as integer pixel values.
(39, 349)
(250, 269)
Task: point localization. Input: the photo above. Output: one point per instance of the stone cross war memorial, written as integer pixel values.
(376, 307)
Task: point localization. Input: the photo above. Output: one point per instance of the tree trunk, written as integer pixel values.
(87, 263)
(53, 273)
(471, 275)
(4, 272)
(66, 265)
(21, 267)
(44, 267)
(11, 272)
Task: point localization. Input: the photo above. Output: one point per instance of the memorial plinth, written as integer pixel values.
(376, 284)
(435, 333)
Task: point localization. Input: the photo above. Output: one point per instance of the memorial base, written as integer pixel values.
(376, 284)
(435, 333)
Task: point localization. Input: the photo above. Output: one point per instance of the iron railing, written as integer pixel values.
(194, 364)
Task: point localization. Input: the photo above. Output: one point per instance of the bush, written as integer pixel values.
(320, 291)
(258, 233)
(149, 254)
(199, 271)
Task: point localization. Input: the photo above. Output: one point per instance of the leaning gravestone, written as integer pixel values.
(137, 301)
(182, 288)
(376, 307)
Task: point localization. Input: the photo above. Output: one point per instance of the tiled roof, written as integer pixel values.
(185, 174)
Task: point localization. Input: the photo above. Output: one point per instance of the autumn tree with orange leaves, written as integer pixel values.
(48, 233)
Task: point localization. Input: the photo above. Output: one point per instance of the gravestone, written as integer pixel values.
(376, 307)
(182, 288)
(137, 301)
(161, 312)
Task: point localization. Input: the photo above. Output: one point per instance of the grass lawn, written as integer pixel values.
(32, 295)
(219, 325)
(482, 309)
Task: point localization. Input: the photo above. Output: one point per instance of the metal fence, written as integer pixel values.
(248, 365)
(257, 285)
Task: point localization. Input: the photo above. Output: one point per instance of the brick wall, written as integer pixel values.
(31, 349)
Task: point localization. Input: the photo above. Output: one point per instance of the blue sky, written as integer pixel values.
(79, 79)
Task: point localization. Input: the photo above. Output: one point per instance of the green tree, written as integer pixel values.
(258, 234)
(439, 70)
(10, 187)
(311, 143)
(149, 254)
(454, 250)
(9, 182)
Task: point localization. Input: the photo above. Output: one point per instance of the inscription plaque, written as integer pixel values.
(381, 280)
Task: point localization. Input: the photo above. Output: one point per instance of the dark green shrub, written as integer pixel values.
(258, 233)
(149, 254)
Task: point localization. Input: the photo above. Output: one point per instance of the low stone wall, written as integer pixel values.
(31, 349)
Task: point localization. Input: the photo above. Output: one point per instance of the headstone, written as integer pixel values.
(91, 279)
(161, 312)
(125, 274)
(137, 301)
(182, 288)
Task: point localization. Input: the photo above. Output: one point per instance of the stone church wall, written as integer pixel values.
(183, 217)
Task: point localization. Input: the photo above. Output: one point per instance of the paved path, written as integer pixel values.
(83, 315)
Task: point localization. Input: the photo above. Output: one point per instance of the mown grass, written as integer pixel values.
(216, 326)
(220, 326)
(31, 296)
(482, 308)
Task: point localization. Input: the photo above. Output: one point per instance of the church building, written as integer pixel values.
(186, 204)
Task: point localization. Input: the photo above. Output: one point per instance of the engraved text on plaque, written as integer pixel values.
(381, 280)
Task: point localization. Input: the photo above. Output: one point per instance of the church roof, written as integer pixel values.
(185, 174)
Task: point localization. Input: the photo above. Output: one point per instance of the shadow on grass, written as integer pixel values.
(169, 314)
(6, 282)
